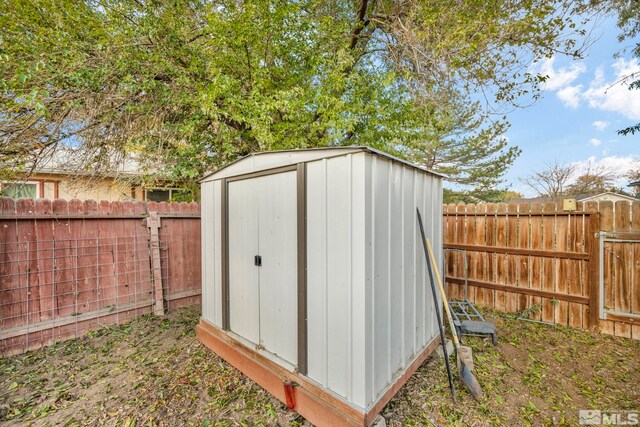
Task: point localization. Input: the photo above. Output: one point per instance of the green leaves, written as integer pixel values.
(189, 85)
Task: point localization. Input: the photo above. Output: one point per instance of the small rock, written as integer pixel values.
(439, 354)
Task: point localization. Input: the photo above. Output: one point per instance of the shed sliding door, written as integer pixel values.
(263, 298)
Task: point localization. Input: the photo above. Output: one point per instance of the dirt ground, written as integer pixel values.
(153, 372)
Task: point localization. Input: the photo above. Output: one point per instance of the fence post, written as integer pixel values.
(153, 222)
(594, 272)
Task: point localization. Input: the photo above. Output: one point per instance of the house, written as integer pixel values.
(635, 188)
(58, 177)
(606, 196)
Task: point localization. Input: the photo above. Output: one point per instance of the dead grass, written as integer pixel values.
(153, 372)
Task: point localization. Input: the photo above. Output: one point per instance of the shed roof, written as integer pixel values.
(264, 160)
(578, 197)
(586, 198)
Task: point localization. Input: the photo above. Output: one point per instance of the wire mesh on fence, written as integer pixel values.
(52, 290)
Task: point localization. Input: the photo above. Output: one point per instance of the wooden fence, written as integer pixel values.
(70, 267)
(546, 263)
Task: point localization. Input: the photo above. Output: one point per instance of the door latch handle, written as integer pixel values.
(257, 260)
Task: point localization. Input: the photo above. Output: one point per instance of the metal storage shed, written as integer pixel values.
(314, 281)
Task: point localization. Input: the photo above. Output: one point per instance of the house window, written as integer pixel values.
(18, 190)
(165, 195)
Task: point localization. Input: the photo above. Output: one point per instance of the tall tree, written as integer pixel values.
(191, 84)
(595, 179)
(633, 176)
(480, 196)
(559, 180)
(552, 181)
(634, 172)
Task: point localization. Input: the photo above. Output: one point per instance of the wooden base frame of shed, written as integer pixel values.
(298, 393)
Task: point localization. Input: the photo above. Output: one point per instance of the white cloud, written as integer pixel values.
(614, 95)
(600, 124)
(561, 77)
(570, 96)
(595, 142)
(619, 165)
(602, 93)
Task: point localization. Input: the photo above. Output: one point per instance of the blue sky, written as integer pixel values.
(579, 113)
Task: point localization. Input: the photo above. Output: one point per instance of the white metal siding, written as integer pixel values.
(369, 305)
(278, 247)
(408, 268)
(335, 275)
(358, 279)
(369, 313)
(380, 236)
(421, 292)
(437, 241)
(210, 193)
(261, 161)
(217, 259)
(401, 306)
(244, 293)
(208, 253)
(263, 304)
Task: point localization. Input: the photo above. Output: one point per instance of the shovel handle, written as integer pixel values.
(434, 293)
(454, 335)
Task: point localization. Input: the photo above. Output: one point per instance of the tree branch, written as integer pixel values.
(360, 23)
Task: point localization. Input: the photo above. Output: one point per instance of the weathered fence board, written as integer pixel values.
(67, 267)
(543, 261)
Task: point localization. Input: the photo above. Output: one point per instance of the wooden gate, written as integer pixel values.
(620, 269)
(580, 268)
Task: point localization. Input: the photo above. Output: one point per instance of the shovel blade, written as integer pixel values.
(470, 382)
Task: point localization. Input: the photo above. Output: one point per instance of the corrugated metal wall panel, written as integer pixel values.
(409, 265)
(421, 291)
(401, 308)
(396, 265)
(359, 322)
(370, 311)
(211, 252)
(278, 275)
(335, 276)
(244, 290)
(369, 282)
(436, 215)
(217, 258)
(317, 271)
(427, 211)
(338, 243)
(380, 237)
(208, 251)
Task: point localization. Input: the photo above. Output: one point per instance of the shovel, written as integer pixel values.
(443, 338)
(466, 376)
